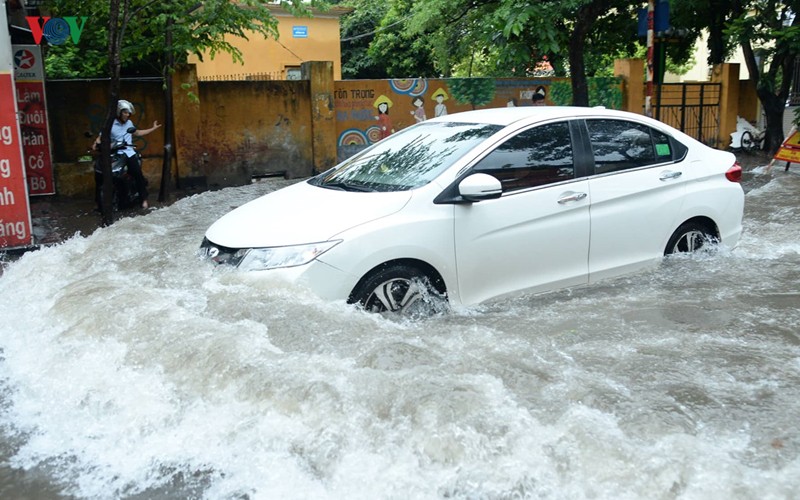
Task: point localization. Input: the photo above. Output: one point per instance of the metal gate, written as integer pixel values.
(692, 108)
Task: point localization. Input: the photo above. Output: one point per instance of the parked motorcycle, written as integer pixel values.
(124, 193)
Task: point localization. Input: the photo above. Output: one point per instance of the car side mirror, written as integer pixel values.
(479, 187)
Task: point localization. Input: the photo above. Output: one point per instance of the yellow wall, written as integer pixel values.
(240, 130)
(268, 56)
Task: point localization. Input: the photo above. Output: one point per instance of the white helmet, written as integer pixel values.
(123, 105)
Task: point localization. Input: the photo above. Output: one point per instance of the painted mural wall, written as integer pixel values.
(369, 110)
(244, 129)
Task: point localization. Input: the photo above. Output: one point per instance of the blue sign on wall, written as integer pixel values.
(300, 31)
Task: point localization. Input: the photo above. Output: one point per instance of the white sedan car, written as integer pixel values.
(476, 205)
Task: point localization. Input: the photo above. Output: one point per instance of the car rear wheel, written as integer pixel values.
(401, 289)
(690, 237)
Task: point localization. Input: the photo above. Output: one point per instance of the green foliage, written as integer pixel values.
(473, 91)
(603, 91)
(87, 59)
(675, 65)
(612, 36)
(681, 68)
(769, 34)
(193, 98)
(463, 35)
(75, 61)
(198, 27)
(357, 31)
(500, 38)
(561, 93)
(768, 30)
(402, 52)
(485, 38)
(482, 63)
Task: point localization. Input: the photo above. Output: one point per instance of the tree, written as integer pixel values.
(579, 31)
(117, 23)
(401, 51)
(769, 34)
(357, 31)
(694, 16)
(154, 35)
(466, 40)
(200, 27)
(505, 38)
(586, 16)
(484, 38)
(473, 91)
(403, 38)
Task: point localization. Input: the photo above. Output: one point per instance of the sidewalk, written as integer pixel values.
(57, 218)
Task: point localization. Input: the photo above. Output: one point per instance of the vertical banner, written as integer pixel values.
(32, 105)
(15, 213)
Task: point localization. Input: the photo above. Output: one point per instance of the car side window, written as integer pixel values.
(665, 149)
(621, 145)
(534, 157)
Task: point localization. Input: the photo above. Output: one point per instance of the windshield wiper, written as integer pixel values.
(344, 186)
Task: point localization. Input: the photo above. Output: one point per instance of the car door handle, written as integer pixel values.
(670, 175)
(571, 197)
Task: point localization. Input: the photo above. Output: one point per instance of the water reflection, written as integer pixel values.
(410, 158)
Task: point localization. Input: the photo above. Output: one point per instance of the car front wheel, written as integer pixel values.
(690, 237)
(398, 288)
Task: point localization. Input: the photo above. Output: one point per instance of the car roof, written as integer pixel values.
(508, 115)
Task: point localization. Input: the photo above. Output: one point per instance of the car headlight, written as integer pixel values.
(259, 259)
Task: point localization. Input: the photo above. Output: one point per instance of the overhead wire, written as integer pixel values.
(377, 30)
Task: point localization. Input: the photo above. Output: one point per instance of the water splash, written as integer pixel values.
(132, 369)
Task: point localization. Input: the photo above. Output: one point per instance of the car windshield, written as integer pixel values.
(408, 159)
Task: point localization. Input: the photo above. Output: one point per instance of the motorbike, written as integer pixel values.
(124, 193)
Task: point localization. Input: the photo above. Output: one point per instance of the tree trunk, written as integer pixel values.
(716, 39)
(774, 107)
(577, 70)
(773, 101)
(116, 30)
(772, 86)
(586, 17)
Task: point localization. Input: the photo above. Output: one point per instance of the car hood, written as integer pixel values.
(301, 213)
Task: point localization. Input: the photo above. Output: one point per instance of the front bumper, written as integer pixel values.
(322, 279)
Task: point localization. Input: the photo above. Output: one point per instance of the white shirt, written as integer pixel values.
(119, 133)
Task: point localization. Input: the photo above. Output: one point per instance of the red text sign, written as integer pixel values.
(15, 215)
(32, 106)
(35, 137)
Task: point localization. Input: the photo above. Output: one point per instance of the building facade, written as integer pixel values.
(300, 39)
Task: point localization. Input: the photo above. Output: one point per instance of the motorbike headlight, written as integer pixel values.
(259, 259)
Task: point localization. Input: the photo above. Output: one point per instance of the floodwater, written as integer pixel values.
(132, 370)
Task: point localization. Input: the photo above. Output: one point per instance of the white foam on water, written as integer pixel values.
(132, 368)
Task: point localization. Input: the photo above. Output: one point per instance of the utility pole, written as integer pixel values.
(648, 104)
(166, 169)
(15, 212)
(169, 123)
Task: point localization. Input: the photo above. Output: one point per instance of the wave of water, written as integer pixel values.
(131, 369)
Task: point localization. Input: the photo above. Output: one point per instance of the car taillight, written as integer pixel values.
(734, 174)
